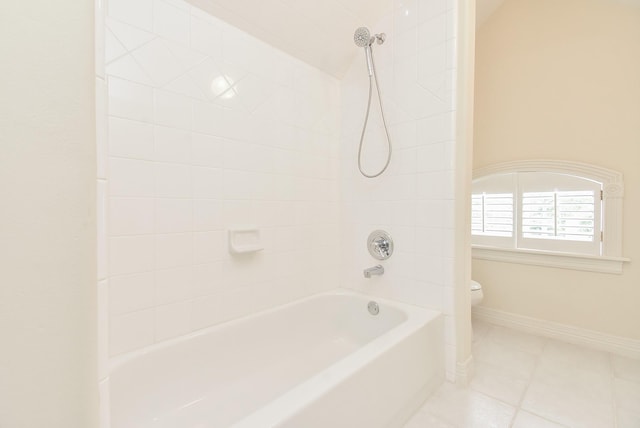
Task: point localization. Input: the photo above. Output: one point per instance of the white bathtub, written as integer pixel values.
(323, 361)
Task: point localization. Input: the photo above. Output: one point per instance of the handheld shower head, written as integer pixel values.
(362, 37)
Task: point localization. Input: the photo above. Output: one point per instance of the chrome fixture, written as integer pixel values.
(380, 244)
(363, 39)
(373, 307)
(376, 270)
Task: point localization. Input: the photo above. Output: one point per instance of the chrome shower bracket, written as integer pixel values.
(380, 244)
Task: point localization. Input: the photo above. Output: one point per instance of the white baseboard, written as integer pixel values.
(464, 371)
(578, 336)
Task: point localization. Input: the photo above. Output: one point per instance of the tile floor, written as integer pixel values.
(527, 381)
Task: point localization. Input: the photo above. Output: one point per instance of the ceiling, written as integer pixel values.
(319, 32)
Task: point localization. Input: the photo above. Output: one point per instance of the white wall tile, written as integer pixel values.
(429, 9)
(134, 12)
(206, 311)
(412, 199)
(173, 180)
(206, 37)
(130, 100)
(173, 320)
(207, 183)
(170, 21)
(430, 158)
(158, 62)
(208, 118)
(207, 151)
(405, 44)
(208, 279)
(174, 285)
(269, 157)
(174, 215)
(130, 139)
(131, 254)
(432, 32)
(129, 36)
(173, 110)
(172, 145)
(131, 331)
(185, 57)
(247, 185)
(127, 68)
(248, 157)
(208, 214)
(209, 167)
(432, 61)
(131, 293)
(210, 246)
(406, 16)
(174, 250)
(128, 177)
(131, 216)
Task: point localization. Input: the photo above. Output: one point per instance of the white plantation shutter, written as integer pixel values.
(576, 215)
(492, 210)
(559, 212)
(492, 214)
(537, 210)
(564, 215)
(538, 215)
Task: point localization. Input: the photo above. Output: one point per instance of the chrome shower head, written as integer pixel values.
(362, 37)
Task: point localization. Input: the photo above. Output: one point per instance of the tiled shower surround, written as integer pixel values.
(413, 199)
(210, 128)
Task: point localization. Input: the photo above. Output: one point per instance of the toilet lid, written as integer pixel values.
(475, 286)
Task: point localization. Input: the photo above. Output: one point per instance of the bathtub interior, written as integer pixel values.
(222, 374)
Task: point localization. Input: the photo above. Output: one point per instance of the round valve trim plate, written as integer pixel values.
(380, 244)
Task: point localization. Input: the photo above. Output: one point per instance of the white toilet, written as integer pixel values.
(476, 293)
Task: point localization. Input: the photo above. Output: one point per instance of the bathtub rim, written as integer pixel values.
(287, 405)
(415, 315)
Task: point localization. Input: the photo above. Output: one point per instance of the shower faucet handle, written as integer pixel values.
(382, 247)
(380, 244)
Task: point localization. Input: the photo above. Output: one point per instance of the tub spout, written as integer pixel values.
(376, 270)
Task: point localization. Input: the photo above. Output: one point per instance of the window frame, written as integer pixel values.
(610, 260)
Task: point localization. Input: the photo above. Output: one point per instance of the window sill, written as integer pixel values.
(550, 259)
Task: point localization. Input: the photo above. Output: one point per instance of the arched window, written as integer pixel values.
(551, 213)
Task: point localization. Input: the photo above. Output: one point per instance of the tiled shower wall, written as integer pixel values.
(209, 129)
(413, 200)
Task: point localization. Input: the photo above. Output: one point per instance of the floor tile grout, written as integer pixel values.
(562, 357)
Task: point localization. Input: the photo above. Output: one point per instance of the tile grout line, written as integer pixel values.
(524, 393)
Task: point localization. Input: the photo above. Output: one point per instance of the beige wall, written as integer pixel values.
(47, 215)
(560, 79)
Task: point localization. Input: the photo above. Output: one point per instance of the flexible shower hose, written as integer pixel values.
(366, 119)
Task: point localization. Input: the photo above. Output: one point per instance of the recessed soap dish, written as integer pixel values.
(243, 240)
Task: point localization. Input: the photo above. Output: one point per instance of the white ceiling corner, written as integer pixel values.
(317, 32)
